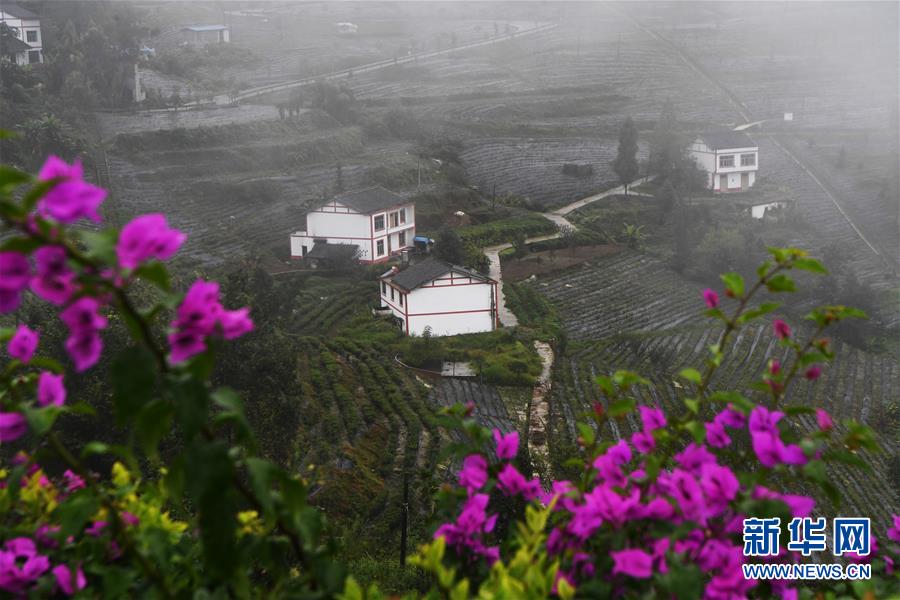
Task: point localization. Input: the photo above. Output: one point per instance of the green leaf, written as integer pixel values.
(606, 385)
(233, 411)
(781, 283)
(739, 401)
(37, 191)
(100, 245)
(155, 273)
(622, 407)
(586, 433)
(692, 404)
(153, 422)
(697, 430)
(261, 473)
(134, 381)
(626, 379)
(191, 405)
(40, 420)
(692, 375)
(758, 311)
(11, 178)
(21, 244)
(76, 510)
(810, 264)
(734, 283)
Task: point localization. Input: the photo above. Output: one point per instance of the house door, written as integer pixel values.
(723, 183)
(745, 181)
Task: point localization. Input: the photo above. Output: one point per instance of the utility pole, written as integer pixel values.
(404, 518)
(418, 171)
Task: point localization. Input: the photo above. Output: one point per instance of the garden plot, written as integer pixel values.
(623, 293)
(856, 385)
(112, 124)
(490, 410)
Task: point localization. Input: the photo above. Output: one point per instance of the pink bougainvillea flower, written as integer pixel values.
(146, 237)
(800, 506)
(764, 420)
(71, 198)
(792, 454)
(643, 442)
(813, 372)
(473, 474)
(768, 448)
(782, 329)
(14, 270)
(12, 426)
(10, 299)
(823, 419)
(511, 482)
(634, 563)
(20, 565)
(711, 298)
(774, 366)
(51, 389)
(507, 445)
(185, 344)
(730, 417)
(720, 486)
(83, 314)
(55, 290)
(84, 348)
(893, 533)
(693, 457)
(23, 343)
(50, 261)
(235, 323)
(716, 436)
(619, 453)
(652, 418)
(65, 580)
(73, 481)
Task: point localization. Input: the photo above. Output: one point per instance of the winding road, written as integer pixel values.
(558, 216)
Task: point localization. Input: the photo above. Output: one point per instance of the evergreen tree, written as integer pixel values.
(625, 165)
(449, 246)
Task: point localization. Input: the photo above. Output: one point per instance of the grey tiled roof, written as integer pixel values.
(431, 268)
(723, 140)
(370, 200)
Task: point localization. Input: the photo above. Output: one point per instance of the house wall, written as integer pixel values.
(707, 159)
(450, 306)
(23, 26)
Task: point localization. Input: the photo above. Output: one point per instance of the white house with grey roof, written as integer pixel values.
(729, 158)
(27, 47)
(379, 222)
(446, 298)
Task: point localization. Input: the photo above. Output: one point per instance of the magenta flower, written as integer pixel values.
(146, 237)
(693, 457)
(711, 298)
(634, 563)
(51, 390)
(782, 329)
(800, 506)
(54, 281)
(12, 426)
(731, 418)
(473, 474)
(764, 420)
(73, 481)
(507, 445)
(71, 198)
(774, 366)
(83, 314)
(20, 565)
(652, 418)
(619, 453)
(511, 482)
(14, 274)
(719, 484)
(68, 583)
(643, 442)
(823, 419)
(893, 533)
(84, 348)
(235, 323)
(23, 343)
(716, 436)
(768, 447)
(813, 372)
(85, 322)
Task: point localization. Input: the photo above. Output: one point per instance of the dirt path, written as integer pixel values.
(540, 409)
(558, 216)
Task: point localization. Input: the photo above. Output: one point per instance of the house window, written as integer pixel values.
(726, 161)
(31, 36)
(383, 289)
(401, 239)
(392, 293)
(379, 222)
(34, 56)
(395, 219)
(379, 248)
(748, 160)
(401, 299)
(403, 215)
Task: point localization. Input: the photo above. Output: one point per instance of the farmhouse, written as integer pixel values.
(378, 221)
(446, 298)
(27, 47)
(200, 35)
(730, 160)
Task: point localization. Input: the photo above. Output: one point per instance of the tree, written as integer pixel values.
(626, 165)
(669, 160)
(519, 243)
(633, 235)
(449, 246)
(666, 197)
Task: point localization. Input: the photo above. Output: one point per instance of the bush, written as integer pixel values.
(505, 230)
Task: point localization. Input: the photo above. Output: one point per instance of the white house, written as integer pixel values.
(730, 159)
(28, 47)
(378, 221)
(447, 298)
(199, 35)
